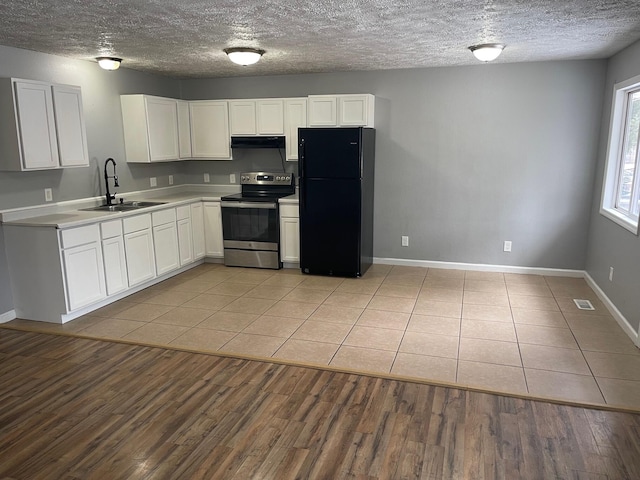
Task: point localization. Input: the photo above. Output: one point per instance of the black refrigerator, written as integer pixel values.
(336, 174)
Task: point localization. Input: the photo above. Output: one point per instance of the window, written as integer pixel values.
(621, 192)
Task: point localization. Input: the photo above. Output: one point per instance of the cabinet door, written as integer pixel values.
(242, 117)
(270, 114)
(295, 116)
(162, 124)
(84, 275)
(184, 130)
(354, 110)
(138, 247)
(290, 239)
(185, 242)
(165, 241)
(209, 130)
(323, 111)
(115, 266)
(197, 226)
(69, 115)
(213, 229)
(38, 144)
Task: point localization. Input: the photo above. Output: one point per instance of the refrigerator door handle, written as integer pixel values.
(301, 150)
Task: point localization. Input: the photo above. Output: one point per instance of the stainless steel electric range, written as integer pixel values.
(250, 220)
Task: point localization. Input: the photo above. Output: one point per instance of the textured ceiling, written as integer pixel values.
(185, 38)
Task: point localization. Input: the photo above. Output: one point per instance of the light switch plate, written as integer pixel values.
(207, 179)
(232, 178)
(153, 181)
(48, 195)
(170, 179)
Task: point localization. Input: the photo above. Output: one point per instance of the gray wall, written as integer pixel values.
(469, 157)
(101, 97)
(466, 157)
(609, 244)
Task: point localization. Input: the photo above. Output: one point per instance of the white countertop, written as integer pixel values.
(58, 216)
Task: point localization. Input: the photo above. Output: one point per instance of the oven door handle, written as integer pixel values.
(262, 205)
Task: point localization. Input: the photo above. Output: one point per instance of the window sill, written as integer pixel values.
(622, 220)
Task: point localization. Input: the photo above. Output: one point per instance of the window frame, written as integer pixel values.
(614, 164)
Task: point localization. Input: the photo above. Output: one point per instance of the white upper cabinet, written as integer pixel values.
(210, 137)
(150, 128)
(356, 110)
(41, 126)
(184, 130)
(256, 117)
(323, 111)
(270, 114)
(72, 137)
(242, 117)
(341, 110)
(295, 116)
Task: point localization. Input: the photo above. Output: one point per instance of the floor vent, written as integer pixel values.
(583, 304)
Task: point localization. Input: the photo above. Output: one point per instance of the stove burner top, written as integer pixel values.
(256, 197)
(263, 187)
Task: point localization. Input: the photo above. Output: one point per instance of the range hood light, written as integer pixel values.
(244, 56)
(109, 63)
(487, 52)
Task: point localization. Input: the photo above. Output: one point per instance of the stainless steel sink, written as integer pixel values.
(122, 207)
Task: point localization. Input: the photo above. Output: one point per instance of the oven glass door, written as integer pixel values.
(250, 222)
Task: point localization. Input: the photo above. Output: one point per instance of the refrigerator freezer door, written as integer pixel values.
(330, 152)
(330, 226)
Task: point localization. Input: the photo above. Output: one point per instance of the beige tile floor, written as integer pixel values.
(510, 333)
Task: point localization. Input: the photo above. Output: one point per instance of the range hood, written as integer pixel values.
(257, 142)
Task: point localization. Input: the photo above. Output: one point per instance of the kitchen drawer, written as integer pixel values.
(163, 216)
(111, 229)
(289, 210)
(137, 223)
(79, 236)
(183, 212)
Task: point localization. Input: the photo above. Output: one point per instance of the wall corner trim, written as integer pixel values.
(8, 316)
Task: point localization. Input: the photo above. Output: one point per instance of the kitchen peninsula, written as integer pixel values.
(65, 261)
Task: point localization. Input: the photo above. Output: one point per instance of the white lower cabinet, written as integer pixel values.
(115, 263)
(165, 241)
(214, 246)
(197, 228)
(83, 266)
(289, 234)
(185, 236)
(138, 246)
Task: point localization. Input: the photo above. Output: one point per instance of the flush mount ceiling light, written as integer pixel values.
(487, 52)
(109, 63)
(244, 56)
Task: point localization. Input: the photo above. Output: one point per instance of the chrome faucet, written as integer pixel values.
(110, 196)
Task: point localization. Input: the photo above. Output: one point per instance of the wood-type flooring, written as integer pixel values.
(75, 408)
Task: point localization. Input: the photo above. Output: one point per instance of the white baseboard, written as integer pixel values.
(8, 316)
(481, 267)
(620, 318)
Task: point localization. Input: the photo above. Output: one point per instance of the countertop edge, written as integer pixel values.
(72, 218)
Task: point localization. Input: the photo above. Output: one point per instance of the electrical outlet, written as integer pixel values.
(170, 179)
(507, 246)
(232, 178)
(48, 195)
(611, 274)
(207, 179)
(405, 241)
(153, 181)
